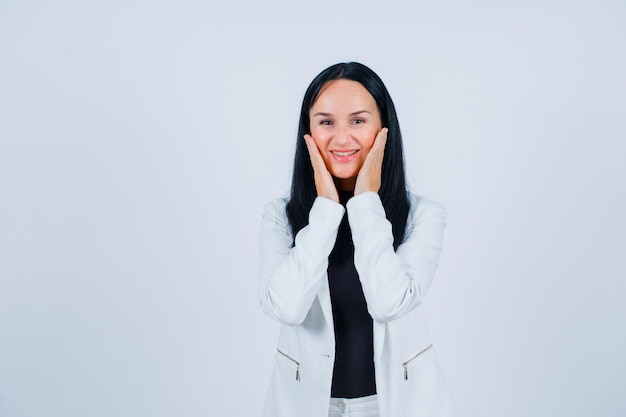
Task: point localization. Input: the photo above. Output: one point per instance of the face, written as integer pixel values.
(344, 121)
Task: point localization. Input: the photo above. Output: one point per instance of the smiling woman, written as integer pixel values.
(344, 124)
(347, 260)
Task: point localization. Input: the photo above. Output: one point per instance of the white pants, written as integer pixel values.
(354, 407)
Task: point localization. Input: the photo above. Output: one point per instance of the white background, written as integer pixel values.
(139, 141)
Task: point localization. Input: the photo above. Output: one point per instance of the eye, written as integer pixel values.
(326, 122)
(358, 121)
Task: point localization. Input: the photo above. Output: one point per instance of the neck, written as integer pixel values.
(345, 184)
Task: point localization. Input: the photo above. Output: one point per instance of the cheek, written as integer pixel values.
(368, 142)
(320, 137)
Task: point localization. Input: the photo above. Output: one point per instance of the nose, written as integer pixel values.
(342, 135)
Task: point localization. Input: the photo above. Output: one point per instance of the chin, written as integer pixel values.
(343, 175)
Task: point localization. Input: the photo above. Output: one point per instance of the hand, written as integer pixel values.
(370, 173)
(324, 183)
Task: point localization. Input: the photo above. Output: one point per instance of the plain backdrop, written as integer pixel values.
(139, 141)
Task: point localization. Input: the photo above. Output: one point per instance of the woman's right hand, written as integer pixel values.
(324, 183)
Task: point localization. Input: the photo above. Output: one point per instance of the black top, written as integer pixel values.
(353, 374)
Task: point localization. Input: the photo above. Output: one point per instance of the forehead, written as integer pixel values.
(344, 94)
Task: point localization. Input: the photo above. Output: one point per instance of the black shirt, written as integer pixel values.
(353, 374)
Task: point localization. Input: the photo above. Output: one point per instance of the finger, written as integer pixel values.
(378, 147)
(381, 138)
(312, 147)
(319, 166)
(323, 181)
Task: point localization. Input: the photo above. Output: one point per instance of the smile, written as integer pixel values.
(348, 153)
(344, 156)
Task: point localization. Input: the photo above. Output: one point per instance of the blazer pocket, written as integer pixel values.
(412, 359)
(296, 362)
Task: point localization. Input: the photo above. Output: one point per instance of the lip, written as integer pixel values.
(351, 154)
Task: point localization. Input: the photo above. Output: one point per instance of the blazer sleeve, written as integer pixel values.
(395, 282)
(290, 275)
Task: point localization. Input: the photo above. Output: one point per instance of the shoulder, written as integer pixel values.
(423, 209)
(420, 205)
(276, 207)
(275, 216)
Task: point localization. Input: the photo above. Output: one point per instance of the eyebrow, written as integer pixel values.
(323, 114)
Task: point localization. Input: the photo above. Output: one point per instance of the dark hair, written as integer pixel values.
(393, 192)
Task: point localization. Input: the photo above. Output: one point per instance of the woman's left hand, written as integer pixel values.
(370, 173)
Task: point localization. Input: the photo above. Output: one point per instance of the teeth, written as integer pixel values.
(344, 153)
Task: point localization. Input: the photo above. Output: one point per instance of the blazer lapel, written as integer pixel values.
(324, 296)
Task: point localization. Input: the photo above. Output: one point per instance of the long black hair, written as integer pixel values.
(393, 191)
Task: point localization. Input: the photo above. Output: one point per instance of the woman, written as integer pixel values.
(347, 260)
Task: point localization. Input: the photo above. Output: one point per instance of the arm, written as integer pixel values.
(395, 282)
(290, 276)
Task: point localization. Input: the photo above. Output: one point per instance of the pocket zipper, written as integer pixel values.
(294, 361)
(405, 364)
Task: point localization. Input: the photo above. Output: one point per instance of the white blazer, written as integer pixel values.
(294, 290)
